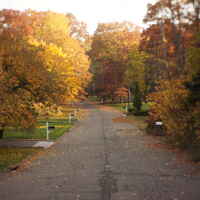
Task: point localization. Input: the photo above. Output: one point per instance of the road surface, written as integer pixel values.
(103, 160)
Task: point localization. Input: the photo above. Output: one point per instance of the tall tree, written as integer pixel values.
(112, 43)
(78, 29)
(176, 97)
(38, 64)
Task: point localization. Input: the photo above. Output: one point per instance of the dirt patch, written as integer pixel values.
(163, 146)
(82, 114)
(26, 163)
(182, 157)
(122, 120)
(16, 169)
(139, 122)
(108, 108)
(156, 142)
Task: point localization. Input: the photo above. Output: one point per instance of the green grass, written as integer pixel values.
(93, 98)
(61, 126)
(139, 121)
(12, 156)
(145, 107)
(121, 106)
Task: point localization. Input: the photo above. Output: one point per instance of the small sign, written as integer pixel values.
(51, 127)
(158, 123)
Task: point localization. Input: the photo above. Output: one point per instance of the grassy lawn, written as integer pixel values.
(12, 156)
(121, 106)
(139, 121)
(93, 98)
(61, 126)
(118, 106)
(145, 106)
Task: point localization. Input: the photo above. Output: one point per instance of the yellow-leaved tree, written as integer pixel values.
(39, 64)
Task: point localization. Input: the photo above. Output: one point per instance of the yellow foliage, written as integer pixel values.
(170, 105)
(39, 64)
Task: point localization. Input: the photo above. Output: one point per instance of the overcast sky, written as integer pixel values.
(90, 11)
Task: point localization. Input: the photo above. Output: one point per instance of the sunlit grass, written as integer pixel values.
(61, 126)
(139, 121)
(12, 156)
(122, 106)
(118, 106)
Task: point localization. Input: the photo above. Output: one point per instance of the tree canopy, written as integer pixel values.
(39, 63)
(110, 55)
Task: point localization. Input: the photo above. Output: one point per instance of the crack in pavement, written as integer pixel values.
(108, 182)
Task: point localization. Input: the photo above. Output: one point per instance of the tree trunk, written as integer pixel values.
(1, 133)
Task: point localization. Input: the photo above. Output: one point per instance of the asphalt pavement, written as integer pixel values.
(103, 160)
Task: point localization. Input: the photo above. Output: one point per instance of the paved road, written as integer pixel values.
(103, 160)
(25, 143)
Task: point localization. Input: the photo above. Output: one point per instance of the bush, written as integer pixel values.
(144, 110)
(141, 113)
(194, 152)
(137, 100)
(130, 110)
(172, 108)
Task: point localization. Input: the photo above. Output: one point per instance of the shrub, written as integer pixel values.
(141, 113)
(172, 108)
(137, 100)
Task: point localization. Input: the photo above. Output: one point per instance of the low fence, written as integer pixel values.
(50, 125)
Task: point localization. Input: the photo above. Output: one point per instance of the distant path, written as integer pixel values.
(103, 160)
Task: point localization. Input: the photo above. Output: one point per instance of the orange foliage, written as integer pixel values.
(170, 106)
(122, 92)
(38, 65)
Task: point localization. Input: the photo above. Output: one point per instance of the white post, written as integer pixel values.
(129, 96)
(70, 118)
(75, 114)
(47, 131)
(126, 108)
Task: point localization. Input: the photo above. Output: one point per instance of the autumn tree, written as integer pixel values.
(78, 30)
(38, 65)
(122, 93)
(176, 96)
(174, 22)
(137, 100)
(136, 70)
(112, 43)
(53, 30)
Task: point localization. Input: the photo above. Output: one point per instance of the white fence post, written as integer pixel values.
(126, 108)
(75, 114)
(47, 136)
(70, 118)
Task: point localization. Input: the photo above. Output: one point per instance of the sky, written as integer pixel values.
(91, 12)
